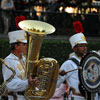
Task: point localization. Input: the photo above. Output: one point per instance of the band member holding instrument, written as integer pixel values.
(79, 46)
(46, 69)
(16, 60)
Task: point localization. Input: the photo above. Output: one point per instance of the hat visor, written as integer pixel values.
(23, 41)
(81, 42)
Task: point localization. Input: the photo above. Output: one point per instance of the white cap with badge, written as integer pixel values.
(17, 36)
(79, 37)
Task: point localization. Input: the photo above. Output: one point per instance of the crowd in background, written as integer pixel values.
(51, 14)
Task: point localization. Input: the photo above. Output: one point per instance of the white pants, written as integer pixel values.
(19, 97)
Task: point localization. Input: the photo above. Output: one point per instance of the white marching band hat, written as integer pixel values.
(79, 37)
(17, 36)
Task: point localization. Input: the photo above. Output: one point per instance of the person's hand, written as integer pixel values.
(33, 81)
(62, 72)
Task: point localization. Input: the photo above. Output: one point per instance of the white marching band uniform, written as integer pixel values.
(19, 83)
(72, 77)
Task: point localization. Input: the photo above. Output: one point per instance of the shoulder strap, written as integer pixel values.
(75, 61)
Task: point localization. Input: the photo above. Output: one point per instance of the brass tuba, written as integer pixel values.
(46, 69)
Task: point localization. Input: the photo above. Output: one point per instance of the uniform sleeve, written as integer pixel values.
(60, 80)
(5, 71)
(17, 85)
(67, 67)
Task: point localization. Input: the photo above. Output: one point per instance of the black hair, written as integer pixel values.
(12, 46)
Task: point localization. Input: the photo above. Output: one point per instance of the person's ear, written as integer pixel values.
(16, 46)
(74, 49)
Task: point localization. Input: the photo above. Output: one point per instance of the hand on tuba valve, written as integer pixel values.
(33, 81)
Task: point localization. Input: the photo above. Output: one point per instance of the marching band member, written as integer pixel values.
(15, 60)
(79, 46)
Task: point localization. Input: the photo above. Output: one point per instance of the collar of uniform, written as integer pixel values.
(13, 56)
(75, 56)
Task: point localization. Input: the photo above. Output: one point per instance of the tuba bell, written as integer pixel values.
(46, 69)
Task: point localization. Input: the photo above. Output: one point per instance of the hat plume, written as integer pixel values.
(18, 19)
(78, 27)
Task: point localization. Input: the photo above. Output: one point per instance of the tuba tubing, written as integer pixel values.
(46, 69)
(34, 45)
(3, 88)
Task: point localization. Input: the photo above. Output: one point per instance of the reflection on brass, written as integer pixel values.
(25, 35)
(33, 30)
(47, 72)
(46, 69)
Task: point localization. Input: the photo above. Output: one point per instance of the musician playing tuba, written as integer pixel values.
(29, 70)
(16, 60)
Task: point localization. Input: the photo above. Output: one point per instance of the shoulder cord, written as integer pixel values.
(75, 61)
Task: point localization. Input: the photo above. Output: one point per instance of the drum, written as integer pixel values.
(89, 75)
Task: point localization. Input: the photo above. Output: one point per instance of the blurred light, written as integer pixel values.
(96, 3)
(69, 9)
(92, 10)
(60, 9)
(87, 10)
(39, 9)
(75, 10)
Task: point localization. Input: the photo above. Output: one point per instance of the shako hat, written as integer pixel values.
(18, 35)
(79, 37)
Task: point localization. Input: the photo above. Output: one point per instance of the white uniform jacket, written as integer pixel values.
(71, 77)
(18, 83)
